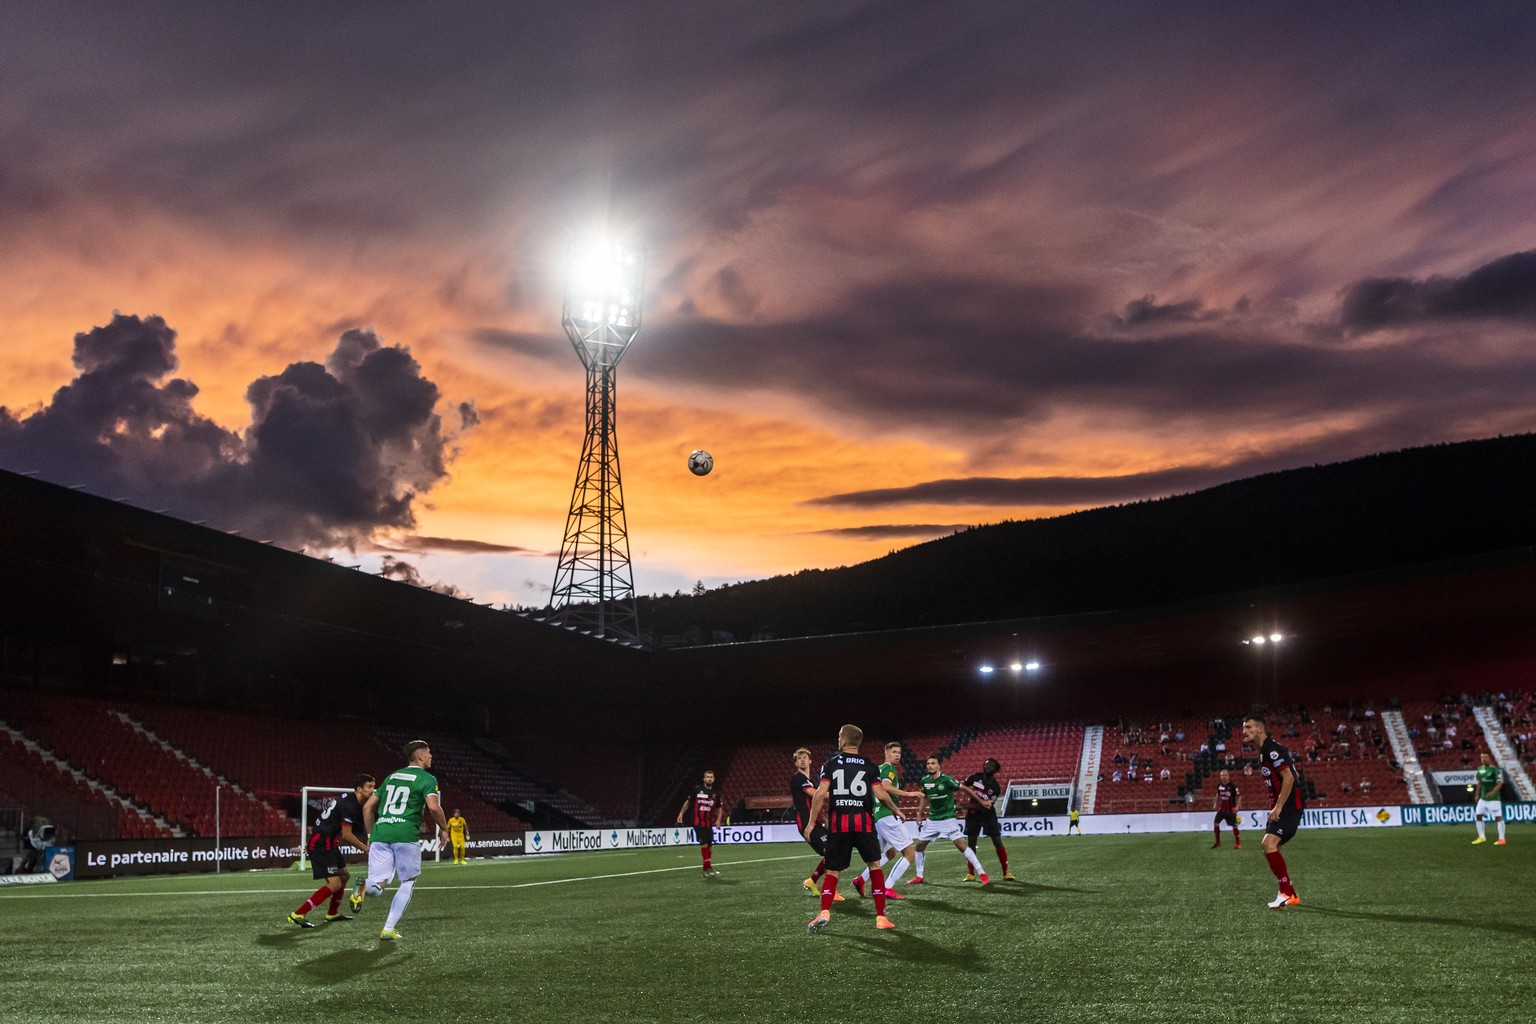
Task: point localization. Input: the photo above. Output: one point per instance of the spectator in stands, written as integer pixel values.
(1179, 736)
(1117, 776)
(38, 838)
(1365, 786)
(1165, 774)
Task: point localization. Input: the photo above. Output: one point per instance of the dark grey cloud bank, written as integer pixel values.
(333, 452)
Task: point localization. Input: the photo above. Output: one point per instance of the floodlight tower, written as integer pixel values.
(594, 587)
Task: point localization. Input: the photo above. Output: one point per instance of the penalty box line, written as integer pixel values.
(434, 888)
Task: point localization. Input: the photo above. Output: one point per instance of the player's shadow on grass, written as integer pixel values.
(945, 907)
(903, 946)
(1510, 928)
(1017, 889)
(345, 964)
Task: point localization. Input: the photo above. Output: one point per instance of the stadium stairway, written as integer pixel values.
(1419, 789)
(469, 776)
(1503, 751)
(25, 755)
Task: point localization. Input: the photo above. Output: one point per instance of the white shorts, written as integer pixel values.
(388, 860)
(949, 828)
(893, 834)
(1489, 809)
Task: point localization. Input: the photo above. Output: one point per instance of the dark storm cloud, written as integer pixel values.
(332, 453)
(990, 359)
(476, 547)
(1404, 430)
(1504, 289)
(1147, 310)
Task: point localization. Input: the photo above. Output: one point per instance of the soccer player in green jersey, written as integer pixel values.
(1490, 781)
(942, 823)
(891, 827)
(393, 816)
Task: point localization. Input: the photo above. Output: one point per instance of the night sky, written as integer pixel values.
(296, 268)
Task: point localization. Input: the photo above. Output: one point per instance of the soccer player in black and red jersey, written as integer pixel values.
(982, 817)
(707, 812)
(848, 789)
(801, 790)
(1228, 803)
(324, 851)
(1283, 775)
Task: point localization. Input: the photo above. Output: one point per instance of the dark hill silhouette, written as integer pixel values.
(1382, 511)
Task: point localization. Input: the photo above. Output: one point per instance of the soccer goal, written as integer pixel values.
(313, 802)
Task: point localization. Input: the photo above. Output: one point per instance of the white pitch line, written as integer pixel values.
(55, 895)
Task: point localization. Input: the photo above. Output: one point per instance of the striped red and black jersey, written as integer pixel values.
(704, 799)
(345, 811)
(1272, 758)
(1226, 798)
(850, 795)
(801, 789)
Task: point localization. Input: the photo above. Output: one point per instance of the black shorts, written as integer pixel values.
(818, 838)
(840, 847)
(1227, 818)
(1285, 824)
(327, 863)
(704, 835)
(976, 824)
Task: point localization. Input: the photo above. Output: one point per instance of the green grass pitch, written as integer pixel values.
(1405, 924)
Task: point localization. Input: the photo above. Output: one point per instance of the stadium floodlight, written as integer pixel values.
(1016, 668)
(1275, 638)
(1032, 666)
(986, 669)
(594, 587)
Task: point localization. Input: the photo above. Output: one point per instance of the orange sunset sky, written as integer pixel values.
(911, 266)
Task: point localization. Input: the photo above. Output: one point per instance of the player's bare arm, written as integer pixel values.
(349, 836)
(683, 810)
(370, 814)
(818, 801)
(435, 805)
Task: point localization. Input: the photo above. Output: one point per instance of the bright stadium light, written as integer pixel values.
(1016, 668)
(986, 669)
(594, 587)
(1275, 638)
(1032, 666)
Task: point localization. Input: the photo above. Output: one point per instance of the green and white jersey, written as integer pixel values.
(887, 775)
(940, 791)
(402, 800)
(1489, 782)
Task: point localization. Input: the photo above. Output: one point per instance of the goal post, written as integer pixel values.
(308, 813)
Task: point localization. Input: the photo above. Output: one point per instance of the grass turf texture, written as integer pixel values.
(1406, 924)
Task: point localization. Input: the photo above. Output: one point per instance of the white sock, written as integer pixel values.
(375, 887)
(890, 879)
(1482, 832)
(919, 868)
(1501, 828)
(397, 906)
(970, 855)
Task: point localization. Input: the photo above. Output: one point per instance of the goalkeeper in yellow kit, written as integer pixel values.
(458, 834)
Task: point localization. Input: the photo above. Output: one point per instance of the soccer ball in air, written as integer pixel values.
(700, 463)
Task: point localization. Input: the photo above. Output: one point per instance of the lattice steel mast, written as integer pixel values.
(594, 587)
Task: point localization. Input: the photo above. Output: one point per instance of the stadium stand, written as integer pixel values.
(83, 807)
(96, 738)
(479, 786)
(269, 754)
